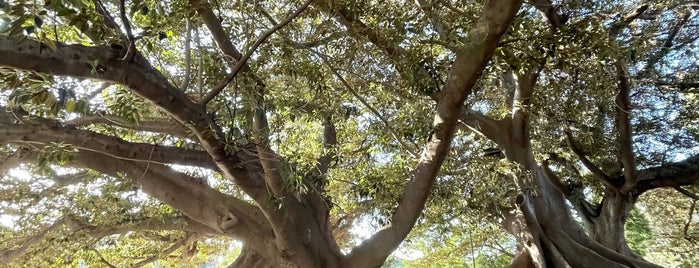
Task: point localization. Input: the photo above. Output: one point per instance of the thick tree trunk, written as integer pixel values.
(249, 258)
(608, 228)
(555, 238)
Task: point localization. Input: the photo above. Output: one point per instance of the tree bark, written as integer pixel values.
(609, 227)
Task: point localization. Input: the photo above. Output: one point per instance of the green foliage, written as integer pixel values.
(397, 74)
(638, 232)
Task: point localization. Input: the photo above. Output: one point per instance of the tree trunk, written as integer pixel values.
(608, 228)
(249, 258)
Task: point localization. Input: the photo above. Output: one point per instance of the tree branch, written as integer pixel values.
(366, 104)
(445, 34)
(676, 174)
(7, 255)
(45, 131)
(598, 172)
(623, 124)
(485, 35)
(167, 251)
(131, 50)
(483, 125)
(102, 63)
(242, 61)
(187, 56)
(220, 212)
(551, 13)
(171, 128)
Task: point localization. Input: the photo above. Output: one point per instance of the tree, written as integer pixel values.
(285, 124)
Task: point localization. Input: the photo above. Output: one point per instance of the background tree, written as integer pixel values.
(144, 131)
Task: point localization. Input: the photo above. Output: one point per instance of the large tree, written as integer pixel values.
(132, 130)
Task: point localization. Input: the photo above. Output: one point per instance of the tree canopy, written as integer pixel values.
(285, 133)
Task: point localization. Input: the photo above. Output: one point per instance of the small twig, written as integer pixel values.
(238, 66)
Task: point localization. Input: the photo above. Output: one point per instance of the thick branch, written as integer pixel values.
(102, 63)
(7, 255)
(551, 13)
(676, 174)
(44, 132)
(482, 124)
(191, 196)
(598, 172)
(485, 35)
(171, 128)
(623, 124)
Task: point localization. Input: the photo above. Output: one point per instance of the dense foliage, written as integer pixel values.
(319, 134)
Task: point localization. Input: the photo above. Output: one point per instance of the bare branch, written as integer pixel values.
(687, 193)
(690, 216)
(242, 61)
(138, 225)
(172, 128)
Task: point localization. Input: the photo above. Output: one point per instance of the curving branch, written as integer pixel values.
(102, 63)
(485, 36)
(220, 212)
(40, 131)
(483, 125)
(598, 172)
(675, 174)
(157, 126)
